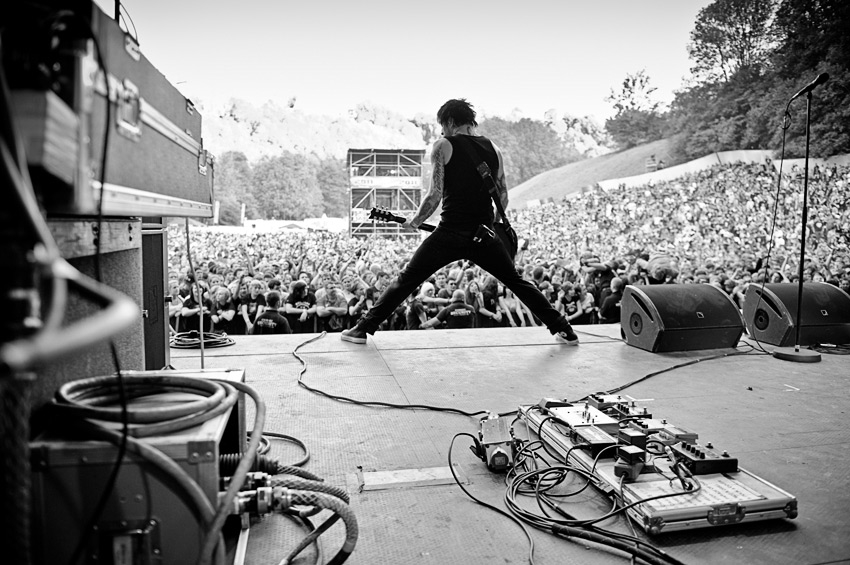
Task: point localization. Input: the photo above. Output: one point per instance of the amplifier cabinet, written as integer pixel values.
(771, 314)
(679, 317)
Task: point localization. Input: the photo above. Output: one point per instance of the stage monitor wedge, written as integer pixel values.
(771, 314)
(679, 317)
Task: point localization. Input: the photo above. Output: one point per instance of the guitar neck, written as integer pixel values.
(386, 216)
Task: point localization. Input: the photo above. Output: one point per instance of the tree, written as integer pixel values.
(286, 187)
(233, 178)
(731, 35)
(529, 147)
(746, 111)
(332, 177)
(813, 39)
(637, 119)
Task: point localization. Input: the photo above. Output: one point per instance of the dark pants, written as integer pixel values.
(441, 248)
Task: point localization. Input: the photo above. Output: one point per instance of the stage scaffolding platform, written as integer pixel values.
(785, 422)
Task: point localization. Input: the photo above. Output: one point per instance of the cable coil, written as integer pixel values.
(192, 340)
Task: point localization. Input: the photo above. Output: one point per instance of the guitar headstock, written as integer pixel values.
(384, 215)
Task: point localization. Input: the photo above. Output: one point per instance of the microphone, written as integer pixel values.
(819, 80)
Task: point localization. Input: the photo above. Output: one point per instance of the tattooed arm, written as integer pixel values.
(501, 182)
(435, 194)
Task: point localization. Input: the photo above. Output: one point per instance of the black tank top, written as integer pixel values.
(466, 202)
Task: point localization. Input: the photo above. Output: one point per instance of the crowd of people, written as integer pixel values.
(715, 226)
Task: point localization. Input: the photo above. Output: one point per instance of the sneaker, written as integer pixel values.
(567, 336)
(354, 335)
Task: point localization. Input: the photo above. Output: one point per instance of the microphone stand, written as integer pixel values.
(795, 353)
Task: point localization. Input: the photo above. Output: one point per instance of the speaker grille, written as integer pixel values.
(636, 323)
(761, 319)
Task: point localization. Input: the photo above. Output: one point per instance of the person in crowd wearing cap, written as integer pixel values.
(466, 206)
(301, 308)
(457, 315)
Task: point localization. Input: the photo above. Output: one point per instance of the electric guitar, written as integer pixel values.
(385, 215)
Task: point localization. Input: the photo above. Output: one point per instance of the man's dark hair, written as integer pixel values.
(273, 299)
(459, 111)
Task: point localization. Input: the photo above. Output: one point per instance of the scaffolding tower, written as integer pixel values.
(384, 178)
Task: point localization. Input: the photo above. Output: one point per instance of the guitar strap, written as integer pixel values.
(486, 174)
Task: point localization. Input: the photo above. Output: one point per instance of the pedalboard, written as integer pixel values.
(632, 453)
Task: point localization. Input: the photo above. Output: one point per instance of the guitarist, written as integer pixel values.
(466, 205)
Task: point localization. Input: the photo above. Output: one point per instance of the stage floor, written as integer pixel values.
(785, 422)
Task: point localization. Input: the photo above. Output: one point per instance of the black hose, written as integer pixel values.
(582, 533)
(315, 486)
(298, 472)
(228, 462)
(340, 508)
(238, 478)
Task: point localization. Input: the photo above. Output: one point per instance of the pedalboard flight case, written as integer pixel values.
(725, 497)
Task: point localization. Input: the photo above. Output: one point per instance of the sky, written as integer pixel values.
(508, 58)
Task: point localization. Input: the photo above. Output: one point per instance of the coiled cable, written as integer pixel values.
(192, 340)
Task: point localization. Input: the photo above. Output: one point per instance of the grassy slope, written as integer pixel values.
(571, 178)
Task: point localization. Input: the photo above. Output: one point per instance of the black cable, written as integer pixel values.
(371, 403)
(786, 124)
(297, 442)
(308, 525)
(125, 14)
(543, 485)
(668, 369)
(487, 505)
(584, 528)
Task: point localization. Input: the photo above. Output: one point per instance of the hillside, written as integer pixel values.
(571, 178)
(272, 128)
